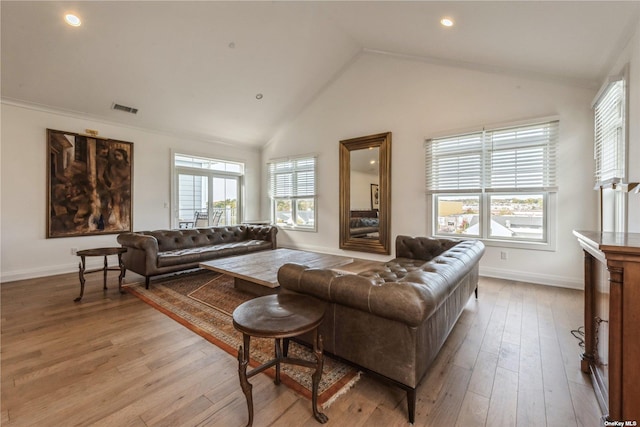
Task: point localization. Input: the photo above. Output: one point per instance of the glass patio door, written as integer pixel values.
(193, 200)
(207, 192)
(225, 199)
(207, 200)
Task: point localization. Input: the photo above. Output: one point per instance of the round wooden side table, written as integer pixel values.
(280, 317)
(103, 252)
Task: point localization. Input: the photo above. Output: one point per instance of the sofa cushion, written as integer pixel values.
(204, 253)
(178, 256)
(170, 240)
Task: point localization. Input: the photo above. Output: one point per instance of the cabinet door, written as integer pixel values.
(631, 342)
(601, 323)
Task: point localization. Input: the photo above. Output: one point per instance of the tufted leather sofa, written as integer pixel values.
(392, 320)
(151, 253)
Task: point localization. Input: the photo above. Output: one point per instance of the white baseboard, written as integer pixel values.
(51, 270)
(537, 278)
(498, 273)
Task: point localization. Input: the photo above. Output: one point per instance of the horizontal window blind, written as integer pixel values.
(519, 158)
(454, 164)
(522, 158)
(293, 178)
(609, 144)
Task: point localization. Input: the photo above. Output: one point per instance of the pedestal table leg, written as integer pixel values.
(122, 271)
(243, 362)
(317, 375)
(81, 267)
(104, 273)
(278, 348)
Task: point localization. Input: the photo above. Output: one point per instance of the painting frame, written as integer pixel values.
(89, 185)
(375, 197)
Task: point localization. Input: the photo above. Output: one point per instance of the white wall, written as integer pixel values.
(25, 252)
(415, 100)
(361, 190)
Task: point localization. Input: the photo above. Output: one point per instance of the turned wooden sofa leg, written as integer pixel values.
(146, 282)
(411, 404)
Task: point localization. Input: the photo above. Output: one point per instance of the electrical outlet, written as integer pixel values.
(74, 251)
(503, 255)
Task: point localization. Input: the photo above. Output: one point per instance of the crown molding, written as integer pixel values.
(196, 137)
(515, 72)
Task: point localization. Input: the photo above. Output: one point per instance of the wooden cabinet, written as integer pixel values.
(612, 321)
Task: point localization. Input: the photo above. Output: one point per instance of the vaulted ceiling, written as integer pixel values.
(198, 68)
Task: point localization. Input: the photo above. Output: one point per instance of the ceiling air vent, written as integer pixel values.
(124, 108)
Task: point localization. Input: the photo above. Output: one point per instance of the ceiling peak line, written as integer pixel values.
(285, 122)
(493, 69)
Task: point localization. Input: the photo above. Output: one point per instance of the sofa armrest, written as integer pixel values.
(266, 233)
(402, 302)
(139, 241)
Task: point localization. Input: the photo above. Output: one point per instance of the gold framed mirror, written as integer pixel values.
(365, 193)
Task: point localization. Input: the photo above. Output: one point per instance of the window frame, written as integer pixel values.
(485, 193)
(292, 196)
(613, 187)
(614, 92)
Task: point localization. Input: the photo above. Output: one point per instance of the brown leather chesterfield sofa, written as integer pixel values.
(393, 320)
(151, 253)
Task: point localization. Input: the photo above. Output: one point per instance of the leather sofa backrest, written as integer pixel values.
(169, 240)
(424, 248)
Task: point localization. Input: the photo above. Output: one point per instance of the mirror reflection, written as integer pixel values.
(365, 193)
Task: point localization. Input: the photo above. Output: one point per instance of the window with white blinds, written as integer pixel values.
(292, 189)
(293, 177)
(496, 184)
(512, 159)
(609, 146)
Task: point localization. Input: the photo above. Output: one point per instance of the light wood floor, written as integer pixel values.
(113, 360)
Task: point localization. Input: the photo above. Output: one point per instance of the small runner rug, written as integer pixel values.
(203, 301)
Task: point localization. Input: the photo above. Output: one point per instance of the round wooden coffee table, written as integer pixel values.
(280, 317)
(103, 252)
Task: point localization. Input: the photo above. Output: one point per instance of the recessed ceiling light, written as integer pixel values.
(259, 96)
(72, 20)
(447, 22)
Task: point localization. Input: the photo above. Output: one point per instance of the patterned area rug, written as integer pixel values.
(203, 302)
